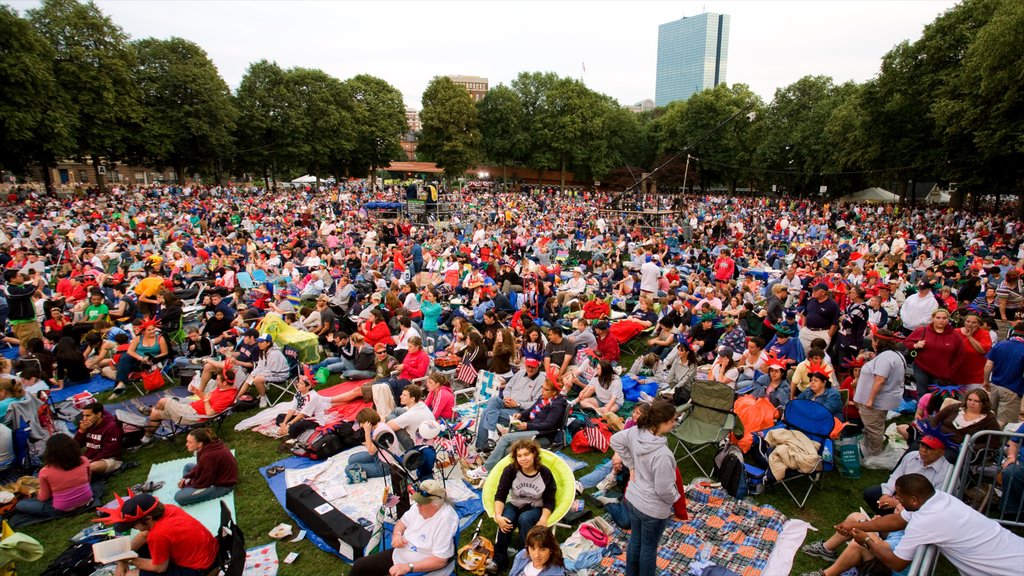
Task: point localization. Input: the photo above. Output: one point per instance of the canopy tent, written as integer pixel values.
(872, 194)
(307, 179)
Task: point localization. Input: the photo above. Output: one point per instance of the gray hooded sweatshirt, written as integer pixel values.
(652, 490)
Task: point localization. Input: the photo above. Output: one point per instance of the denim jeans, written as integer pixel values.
(334, 365)
(924, 380)
(493, 414)
(503, 445)
(359, 374)
(189, 495)
(1012, 504)
(522, 519)
(644, 537)
(369, 462)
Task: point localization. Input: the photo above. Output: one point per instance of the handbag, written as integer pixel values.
(152, 380)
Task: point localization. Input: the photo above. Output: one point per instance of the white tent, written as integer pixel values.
(937, 196)
(872, 194)
(307, 179)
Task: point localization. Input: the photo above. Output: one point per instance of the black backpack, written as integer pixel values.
(729, 470)
(76, 560)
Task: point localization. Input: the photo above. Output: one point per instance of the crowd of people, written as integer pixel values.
(567, 306)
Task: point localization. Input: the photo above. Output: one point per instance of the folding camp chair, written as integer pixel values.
(245, 281)
(483, 390)
(286, 386)
(638, 344)
(230, 545)
(814, 421)
(708, 419)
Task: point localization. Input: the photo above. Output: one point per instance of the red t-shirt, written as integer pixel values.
(181, 539)
(220, 399)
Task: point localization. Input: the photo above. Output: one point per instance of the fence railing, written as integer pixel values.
(973, 479)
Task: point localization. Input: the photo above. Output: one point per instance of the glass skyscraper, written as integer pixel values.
(692, 56)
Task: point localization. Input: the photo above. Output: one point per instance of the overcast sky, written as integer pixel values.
(772, 43)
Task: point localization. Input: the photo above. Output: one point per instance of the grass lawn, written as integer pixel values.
(258, 511)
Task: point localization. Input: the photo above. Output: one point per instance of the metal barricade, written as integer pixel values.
(973, 479)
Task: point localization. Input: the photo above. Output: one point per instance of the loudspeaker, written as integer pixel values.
(338, 530)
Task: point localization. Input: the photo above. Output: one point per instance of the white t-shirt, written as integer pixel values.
(649, 275)
(427, 537)
(411, 419)
(975, 545)
(315, 406)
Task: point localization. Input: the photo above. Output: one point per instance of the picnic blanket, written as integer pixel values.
(360, 502)
(263, 421)
(741, 536)
(95, 385)
(208, 513)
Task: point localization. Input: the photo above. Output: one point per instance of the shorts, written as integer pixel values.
(26, 331)
(180, 412)
(367, 390)
(111, 464)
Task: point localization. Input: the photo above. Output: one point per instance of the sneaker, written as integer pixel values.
(501, 430)
(818, 549)
(646, 397)
(264, 402)
(117, 391)
(607, 483)
(606, 499)
(477, 473)
(491, 569)
(146, 440)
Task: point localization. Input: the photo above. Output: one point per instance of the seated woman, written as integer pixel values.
(773, 385)
(11, 391)
(525, 498)
(144, 351)
(604, 393)
(214, 473)
(649, 368)
(306, 411)
(423, 539)
(664, 338)
(71, 368)
(820, 389)
(543, 421)
(370, 464)
(639, 320)
(724, 368)
(973, 415)
(63, 483)
(440, 397)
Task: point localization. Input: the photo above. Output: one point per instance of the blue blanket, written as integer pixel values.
(96, 385)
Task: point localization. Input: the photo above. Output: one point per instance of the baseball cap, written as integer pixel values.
(924, 285)
(820, 286)
(726, 352)
(265, 338)
(429, 429)
(602, 325)
(933, 442)
(429, 491)
(531, 362)
(380, 347)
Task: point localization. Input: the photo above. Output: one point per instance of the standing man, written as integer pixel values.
(1010, 296)
(650, 273)
(821, 317)
(1004, 376)
(917, 308)
(21, 311)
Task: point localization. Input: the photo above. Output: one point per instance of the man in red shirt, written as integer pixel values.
(169, 542)
(179, 412)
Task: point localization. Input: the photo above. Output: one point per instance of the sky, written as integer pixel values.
(771, 44)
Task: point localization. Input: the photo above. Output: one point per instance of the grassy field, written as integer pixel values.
(258, 511)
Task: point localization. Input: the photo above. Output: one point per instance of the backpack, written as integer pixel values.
(246, 402)
(729, 470)
(76, 560)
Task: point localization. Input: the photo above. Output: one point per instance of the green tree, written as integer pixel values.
(93, 62)
(321, 128)
(264, 110)
(501, 117)
(533, 90)
(450, 136)
(188, 112)
(35, 122)
(379, 115)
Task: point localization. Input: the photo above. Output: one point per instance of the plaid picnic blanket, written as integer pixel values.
(741, 536)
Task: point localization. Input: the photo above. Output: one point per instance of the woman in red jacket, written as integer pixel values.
(939, 348)
(375, 330)
(215, 472)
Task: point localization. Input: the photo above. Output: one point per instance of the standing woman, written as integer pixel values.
(977, 342)
(939, 350)
(652, 488)
(431, 311)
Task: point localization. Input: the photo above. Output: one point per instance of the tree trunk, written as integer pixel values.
(373, 179)
(266, 178)
(179, 174)
(47, 178)
(562, 179)
(957, 201)
(101, 180)
(1020, 205)
(999, 198)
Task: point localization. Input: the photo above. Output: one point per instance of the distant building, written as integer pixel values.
(412, 118)
(645, 105)
(475, 85)
(692, 56)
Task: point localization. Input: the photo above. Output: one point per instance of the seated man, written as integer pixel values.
(180, 412)
(169, 541)
(973, 544)
(99, 435)
(543, 421)
(1012, 503)
(240, 361)
(406, 424)
(927, 460)
(854, 555)
(423, 539)
(520, 391)
(271, 366)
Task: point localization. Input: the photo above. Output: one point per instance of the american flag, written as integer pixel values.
(596, 437)
(191, 261)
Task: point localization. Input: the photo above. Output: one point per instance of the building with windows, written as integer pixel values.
(475, 85)
(692, 56)
(645, 105)
(412, 118)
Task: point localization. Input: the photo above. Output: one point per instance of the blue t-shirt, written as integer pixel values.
(1008, 364)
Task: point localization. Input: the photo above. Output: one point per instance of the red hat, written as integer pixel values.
(531, 362)
(933, 443)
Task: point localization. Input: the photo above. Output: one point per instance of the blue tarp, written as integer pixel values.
(95, 385)
(383, 205)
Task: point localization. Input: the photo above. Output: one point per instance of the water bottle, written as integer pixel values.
(826, 453)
